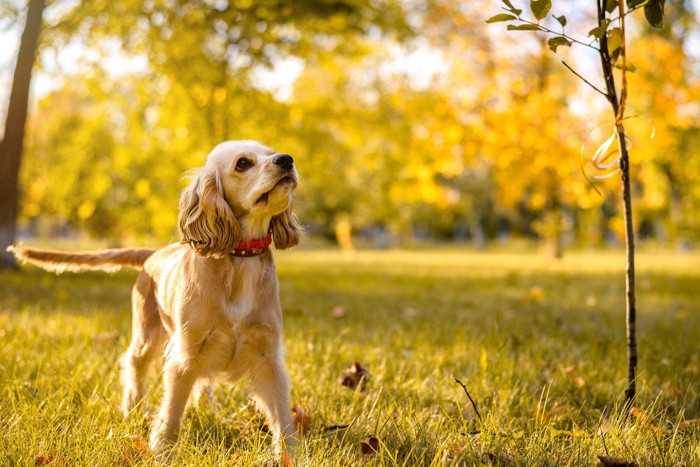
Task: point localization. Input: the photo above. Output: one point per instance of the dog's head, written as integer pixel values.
(244, 191)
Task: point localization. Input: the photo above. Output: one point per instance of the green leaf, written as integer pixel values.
(501, 17)
(614, 43)
(630, 68)
(614, 40)
(610, 5)
(561, 19)
(511, 8)
(654, 12)
(555, 42)
(540, 8)
(599, 32)
(634, 3)
(523, 27)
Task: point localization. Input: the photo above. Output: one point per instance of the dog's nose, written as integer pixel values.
(284, 161)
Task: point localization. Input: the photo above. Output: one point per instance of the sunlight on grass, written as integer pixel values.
(539, 345)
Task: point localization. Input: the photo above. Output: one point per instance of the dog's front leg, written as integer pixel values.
(270, 390)
(178, 381)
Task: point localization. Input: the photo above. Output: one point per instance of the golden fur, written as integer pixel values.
(209, 314)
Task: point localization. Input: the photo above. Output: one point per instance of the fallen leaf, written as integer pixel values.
(301, 420)
(610, 461)
(689, 424)
(503, 459)
(369, 445)
(43, 460)
(354, 376)
(136, 449)
(336, 427)
(285, 460)
(639, 414)
(338, 311)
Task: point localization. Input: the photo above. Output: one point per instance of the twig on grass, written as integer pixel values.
(478, 415)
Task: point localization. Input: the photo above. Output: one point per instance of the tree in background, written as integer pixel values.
(12, 144)
(199, 85)
(459, 149)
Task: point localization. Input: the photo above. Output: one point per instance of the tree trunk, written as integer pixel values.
(13, 141)
(618, 113)
(631, 310)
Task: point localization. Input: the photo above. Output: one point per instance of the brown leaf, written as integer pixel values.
(44, 460)
(285, 460)
(353, 376)
(136, 449)
(301, 420)
(689, 424)
(503, 459)
(370, 445)
(610, 461)
(639, 414)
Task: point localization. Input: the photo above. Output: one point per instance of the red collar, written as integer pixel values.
(252, 247)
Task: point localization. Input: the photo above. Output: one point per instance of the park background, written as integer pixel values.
(409, 121)
(444, 163)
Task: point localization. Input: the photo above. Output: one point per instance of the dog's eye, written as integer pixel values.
(243, 164)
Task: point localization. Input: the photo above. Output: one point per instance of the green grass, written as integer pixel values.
(539, 344)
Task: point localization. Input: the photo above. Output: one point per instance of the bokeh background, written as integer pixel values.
(410, 121)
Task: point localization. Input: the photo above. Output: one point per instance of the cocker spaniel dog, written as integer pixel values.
(210, 305)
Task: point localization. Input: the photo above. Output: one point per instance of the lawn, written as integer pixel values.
(539, 344)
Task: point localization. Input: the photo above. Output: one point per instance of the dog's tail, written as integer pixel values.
(103, 260)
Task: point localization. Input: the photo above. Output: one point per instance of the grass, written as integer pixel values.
(540, 346)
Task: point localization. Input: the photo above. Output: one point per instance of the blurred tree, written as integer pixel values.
(201, 84)
(12, 144)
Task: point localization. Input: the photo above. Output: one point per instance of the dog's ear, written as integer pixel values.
(206, 221)
(286, 230)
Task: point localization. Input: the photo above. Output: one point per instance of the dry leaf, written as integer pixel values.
(503, 459)
(285, 460)
(610, 461)
(689, 424)
(369, 445)
(338, 311)
(301, 420)
(355, 375)
(639, 414)
(136, 449)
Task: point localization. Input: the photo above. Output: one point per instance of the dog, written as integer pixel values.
(210, 304)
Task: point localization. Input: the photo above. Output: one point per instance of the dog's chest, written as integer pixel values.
(242, 290)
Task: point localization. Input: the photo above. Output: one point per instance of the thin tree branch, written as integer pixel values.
(584, 79)
(629, 11)
(560, 34)
(470, 400)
